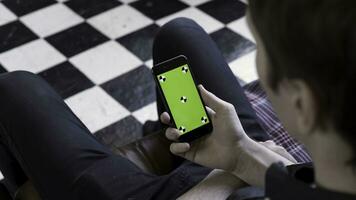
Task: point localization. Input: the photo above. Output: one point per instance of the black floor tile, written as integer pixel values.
(66, 79)
(225, 11)
(14, 34)
(140, 42)
(76, 39)
(231, 44)
(242, 82)
(156, 9)
(120, 133)
(134, 89)
(2, 69)
(89, 8)
(22, 7)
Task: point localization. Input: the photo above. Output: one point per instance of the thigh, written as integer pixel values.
(51, 144)
(63, 159)
(109, 179)
(183, 36)
(11, 170)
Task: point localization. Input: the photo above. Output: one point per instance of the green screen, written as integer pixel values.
(183, 99)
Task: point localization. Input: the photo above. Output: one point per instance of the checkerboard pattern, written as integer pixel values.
(97, 53)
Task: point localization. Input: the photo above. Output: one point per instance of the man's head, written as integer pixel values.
(306, 61)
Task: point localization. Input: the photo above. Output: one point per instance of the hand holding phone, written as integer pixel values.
(228, 147)
(218, 149)
(191, 120)
(181, 98)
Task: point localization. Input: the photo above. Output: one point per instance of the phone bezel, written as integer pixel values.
(167, 66)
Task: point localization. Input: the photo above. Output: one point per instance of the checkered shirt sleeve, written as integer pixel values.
(271, 124)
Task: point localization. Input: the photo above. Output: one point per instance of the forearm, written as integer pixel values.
(253, 161)
(218, 184)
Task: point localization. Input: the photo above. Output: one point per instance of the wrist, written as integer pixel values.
(253, 160)
(247, 157)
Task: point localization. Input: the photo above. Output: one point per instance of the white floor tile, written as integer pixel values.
(6, 15)
(127, 1)
(149, 63)
(148, 112)
(34, 56)
(194, 2)
(245, 1)
(208, 23)
(245, 67)
(240, 26)
(105, 62)
(50, 20)
(119, 21)
(96, 108)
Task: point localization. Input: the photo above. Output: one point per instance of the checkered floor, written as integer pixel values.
(97, 53)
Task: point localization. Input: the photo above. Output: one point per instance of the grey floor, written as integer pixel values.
(97, 53)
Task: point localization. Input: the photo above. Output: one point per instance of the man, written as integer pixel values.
(47, 144)
(306, 65)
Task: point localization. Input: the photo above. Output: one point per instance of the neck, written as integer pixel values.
(330, 155)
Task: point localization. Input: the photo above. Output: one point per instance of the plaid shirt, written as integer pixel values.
(271, 124)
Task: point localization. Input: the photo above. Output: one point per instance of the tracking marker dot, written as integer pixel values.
(162, 79)
(204, 120)
(185, 69)
(184, 99)
(182, 129)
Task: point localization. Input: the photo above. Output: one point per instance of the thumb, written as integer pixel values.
(210, 99)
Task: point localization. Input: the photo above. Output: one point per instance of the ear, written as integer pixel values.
(303, 102)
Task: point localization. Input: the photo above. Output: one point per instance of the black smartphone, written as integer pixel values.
(182, 99)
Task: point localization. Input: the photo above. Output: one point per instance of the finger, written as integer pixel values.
(268, 143)
(172, 134)
(179, 148)
(271, 145)
(210, 99)
(210, 111)
(281, 151)
(165, 118)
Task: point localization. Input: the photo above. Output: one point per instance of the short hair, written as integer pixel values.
(314, 41)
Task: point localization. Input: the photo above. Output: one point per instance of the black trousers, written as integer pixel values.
(42, 140)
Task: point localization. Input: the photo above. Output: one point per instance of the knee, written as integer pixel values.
(175, 31)
(21, 83)
(17, 79)
(179, 22)
(16, 76)
(175, 26)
